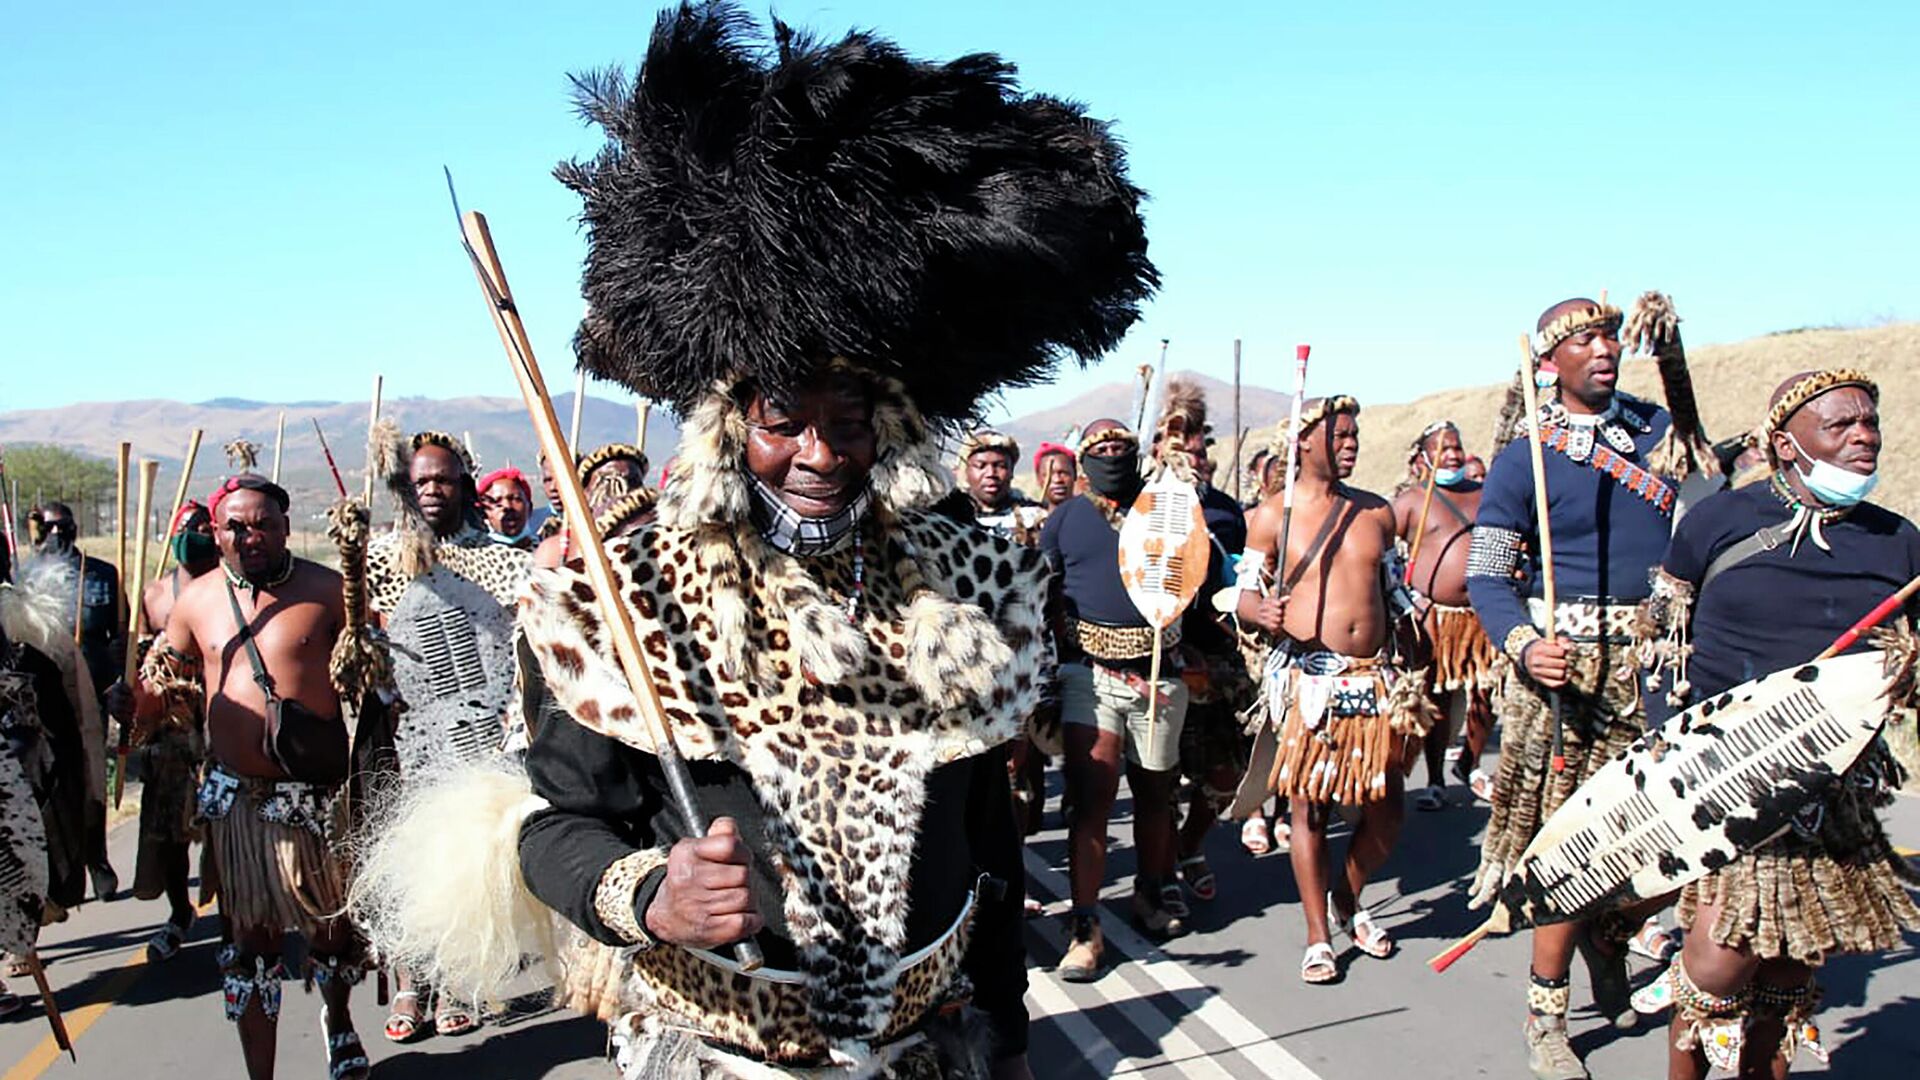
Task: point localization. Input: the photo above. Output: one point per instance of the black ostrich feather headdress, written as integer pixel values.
(760, 211)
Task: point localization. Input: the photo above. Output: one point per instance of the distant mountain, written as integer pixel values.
(1259, 407)
(496, 427)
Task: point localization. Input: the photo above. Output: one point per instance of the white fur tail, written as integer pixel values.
(438, 889)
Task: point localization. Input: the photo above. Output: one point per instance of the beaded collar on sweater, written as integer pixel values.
(1617, 425)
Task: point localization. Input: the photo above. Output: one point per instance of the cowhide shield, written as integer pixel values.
(23, 833)
(453, 665)
(1718, 780)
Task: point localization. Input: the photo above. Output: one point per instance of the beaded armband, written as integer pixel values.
(613, 897)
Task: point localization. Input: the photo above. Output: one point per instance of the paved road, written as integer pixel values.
(1225, 1001)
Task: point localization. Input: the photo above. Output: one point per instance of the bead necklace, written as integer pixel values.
(278, 579)
(1806, 520)
(859, 578)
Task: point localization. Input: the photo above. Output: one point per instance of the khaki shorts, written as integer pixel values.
(1096, 697)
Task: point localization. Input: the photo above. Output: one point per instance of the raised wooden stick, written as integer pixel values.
(1426, 504)
(1236, 419)
(573, 502)
(373, 421)
(643, 408)
(1542, 525)
(149, 469)
(579, 404)
(279, 438)
(180, 496)
(1300, 353)
(120, 510)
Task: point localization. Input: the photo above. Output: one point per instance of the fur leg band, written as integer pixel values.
(1548, 997)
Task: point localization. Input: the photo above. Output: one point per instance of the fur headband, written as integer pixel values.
(1573, 322)
(1311, 413)
(986, 439)
(1802, 388)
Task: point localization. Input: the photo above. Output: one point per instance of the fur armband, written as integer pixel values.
(613, 897)
(1661, 628)
(1517, 641)
(174, 677)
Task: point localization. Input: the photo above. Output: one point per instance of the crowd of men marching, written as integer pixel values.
(1318, 674)
(746, 759)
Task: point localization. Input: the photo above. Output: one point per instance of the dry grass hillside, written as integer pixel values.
(1732, 382)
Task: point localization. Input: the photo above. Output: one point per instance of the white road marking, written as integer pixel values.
(1054, 1005)
(1177, 1050)
(1201, 1002)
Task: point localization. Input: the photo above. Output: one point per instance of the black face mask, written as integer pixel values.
(193, 547)
(1117, 478)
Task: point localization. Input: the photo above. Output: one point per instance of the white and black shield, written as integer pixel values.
(453, 664)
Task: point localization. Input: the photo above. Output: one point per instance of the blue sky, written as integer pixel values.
(201, 200)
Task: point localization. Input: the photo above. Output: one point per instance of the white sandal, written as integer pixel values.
(1368, 936)
(1319, 955)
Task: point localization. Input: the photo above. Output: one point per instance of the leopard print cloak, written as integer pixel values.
(838, 721)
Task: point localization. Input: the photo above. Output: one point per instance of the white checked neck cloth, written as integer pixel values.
(783, 526)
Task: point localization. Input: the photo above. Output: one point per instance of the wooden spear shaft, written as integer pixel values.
(1236, 420)
(1543, 525)
(279, 439)
(180, 495)
(120, 513)
(1420, 530)
(573, 502)
(149, 469)
(373, 421)
(1300, 353)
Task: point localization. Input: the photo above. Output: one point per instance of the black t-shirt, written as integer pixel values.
(1084, 549)
(1779, 608)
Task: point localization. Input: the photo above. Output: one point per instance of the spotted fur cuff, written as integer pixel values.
(613, 898)
(1517, 641)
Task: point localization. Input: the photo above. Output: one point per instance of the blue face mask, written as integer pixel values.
(1544, 379)
(503, 538)
(1447, 478)
(1832, 484)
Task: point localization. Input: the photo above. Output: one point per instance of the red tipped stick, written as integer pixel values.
(1300, 351)
(1460, 948)
(1871, 619)
(325, 449)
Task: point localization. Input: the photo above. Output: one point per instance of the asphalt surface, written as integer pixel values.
(1224, 1001)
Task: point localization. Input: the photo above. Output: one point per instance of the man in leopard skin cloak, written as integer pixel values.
(834, 660)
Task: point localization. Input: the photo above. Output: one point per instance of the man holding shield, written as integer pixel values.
(1758, 580)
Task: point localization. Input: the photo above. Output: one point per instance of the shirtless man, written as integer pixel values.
(172, 746)
(280, 873)
(1335, 731)
(1438, 536)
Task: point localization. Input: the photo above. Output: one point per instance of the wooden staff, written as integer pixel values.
(48, 1005)
(573, 502)
(373, 421)
(1300, 353)
(1543, 526)
(579, 403)
(180, 496)
(149, 469)
(120, 509)
(279, 437)
(640, 434)
(1426, 504)
(1236, 419)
